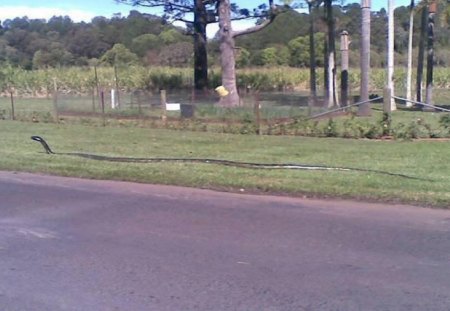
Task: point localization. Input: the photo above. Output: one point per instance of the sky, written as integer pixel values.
(85, 10)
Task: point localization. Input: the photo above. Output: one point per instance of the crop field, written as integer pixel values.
(83, 80)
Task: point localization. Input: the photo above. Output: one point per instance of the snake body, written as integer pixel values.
(249, 165)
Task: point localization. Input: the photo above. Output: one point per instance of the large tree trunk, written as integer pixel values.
(423, 29)
(200, 51)
(227, 47)
(390, 54)
(430, 53)
(331, 56)
(344, 68)
(364, 109)
(410, 46)
(312, 58)
(227, 56)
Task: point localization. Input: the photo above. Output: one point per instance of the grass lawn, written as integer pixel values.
(425, 159)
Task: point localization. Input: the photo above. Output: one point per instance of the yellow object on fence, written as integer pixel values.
(222, 91)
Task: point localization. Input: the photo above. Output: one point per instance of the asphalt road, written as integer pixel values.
(71, 244)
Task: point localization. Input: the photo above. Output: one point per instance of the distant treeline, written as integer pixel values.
(146, 39)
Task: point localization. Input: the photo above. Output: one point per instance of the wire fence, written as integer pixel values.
(258, 112)
(142, 104)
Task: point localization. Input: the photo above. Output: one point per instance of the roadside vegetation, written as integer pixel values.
(423, 159)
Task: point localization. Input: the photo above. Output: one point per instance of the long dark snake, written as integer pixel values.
(249, 165)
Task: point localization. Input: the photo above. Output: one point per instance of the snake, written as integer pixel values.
(239, 164)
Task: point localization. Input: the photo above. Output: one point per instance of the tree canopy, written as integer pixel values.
(59, 41)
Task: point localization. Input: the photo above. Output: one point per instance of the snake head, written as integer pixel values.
(43, 143)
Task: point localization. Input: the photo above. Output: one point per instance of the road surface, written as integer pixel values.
(72, 244)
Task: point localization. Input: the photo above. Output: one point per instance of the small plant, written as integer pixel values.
(444, 121)
(407, 131)
(386, 124)
(350, 129)
(331, 129)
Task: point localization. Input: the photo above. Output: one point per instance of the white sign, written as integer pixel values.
(173, 107)
(113, 98)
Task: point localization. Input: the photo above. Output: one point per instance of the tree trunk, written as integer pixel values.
(326, 81)
(200, 51)
(344, 68)
(390, 55)
(227, 47)
(430, 53)
(410, 46)
(312, 58)
(364, 109)
(331, 56)
(423, 29)
(227, 57)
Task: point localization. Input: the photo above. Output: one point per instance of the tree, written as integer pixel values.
(301, 56)
(312, 54)
(142, 44)
(330, 62)
(227, 47)
(177, 54)
(181, 10)
(423, 29)
(364, 109)
(119, 54)
(390, 57)
(430, 53)
(410, 48)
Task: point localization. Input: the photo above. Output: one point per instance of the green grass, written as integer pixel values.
(425, 159)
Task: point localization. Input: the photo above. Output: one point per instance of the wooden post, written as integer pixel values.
(93, 100)
(102, 100)
(55, 100)
(13, 117)
(131, 100)
(139, 104)
(344, 68)
(163, 106)
(257, 111)
(96, 81)
(116, 78)
(387, 100)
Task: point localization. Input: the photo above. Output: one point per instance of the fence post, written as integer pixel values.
(257, 111)
(96, 81)
(13, 117)
(139, 99)
(163, 107)
(113, 99)
(116, 78)
(55, 100)
(387, 100)
(102, 99)
(93, 100)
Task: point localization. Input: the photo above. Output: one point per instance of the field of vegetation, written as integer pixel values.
(82, 80)
(283, 122)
